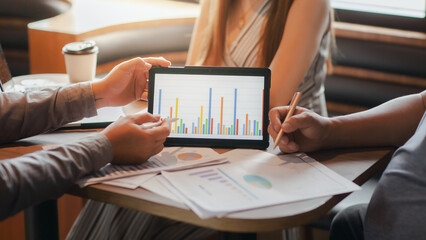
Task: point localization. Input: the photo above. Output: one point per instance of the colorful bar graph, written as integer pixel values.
(205, 124)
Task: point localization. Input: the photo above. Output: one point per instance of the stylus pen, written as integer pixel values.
(293, 104)
(156, 124)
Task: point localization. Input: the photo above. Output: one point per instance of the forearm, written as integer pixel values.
(31, 113)
(304, 33)
(43, 175)
(390, 124)
(197, 47)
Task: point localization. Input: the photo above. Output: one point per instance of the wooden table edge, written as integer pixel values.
(96, 192)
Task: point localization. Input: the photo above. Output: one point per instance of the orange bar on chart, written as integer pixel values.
(247, 124)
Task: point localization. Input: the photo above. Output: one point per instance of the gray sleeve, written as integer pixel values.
(47, 174)
(31, 113)
(397, 208)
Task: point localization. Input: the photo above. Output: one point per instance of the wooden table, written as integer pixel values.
(357, 165)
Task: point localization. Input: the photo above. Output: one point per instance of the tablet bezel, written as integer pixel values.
(202, 70)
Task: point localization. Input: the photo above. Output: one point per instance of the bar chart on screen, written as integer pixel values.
(233, 106)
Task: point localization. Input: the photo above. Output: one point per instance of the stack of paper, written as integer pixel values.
(170, 159)
(131, 182)
(261, 179)
(251, 179)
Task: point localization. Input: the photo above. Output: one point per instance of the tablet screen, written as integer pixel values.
(219, 104)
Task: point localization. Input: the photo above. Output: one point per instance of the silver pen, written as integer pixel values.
(156, 124)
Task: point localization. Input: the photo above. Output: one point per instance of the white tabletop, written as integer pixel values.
(36, 82)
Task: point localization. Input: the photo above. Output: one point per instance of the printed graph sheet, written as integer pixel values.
(261, 179)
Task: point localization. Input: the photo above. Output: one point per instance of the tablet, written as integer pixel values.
(105, 117)
(219, 107)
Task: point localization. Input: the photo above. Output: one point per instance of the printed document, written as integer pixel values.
(254, 179)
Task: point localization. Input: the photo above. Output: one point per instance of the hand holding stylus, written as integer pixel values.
(293, 104)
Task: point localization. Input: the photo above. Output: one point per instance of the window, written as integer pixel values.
(406, 8)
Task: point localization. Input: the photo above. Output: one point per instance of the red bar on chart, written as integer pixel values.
(211, 126)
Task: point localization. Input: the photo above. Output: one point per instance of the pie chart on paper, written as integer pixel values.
(189, 156)
(257, 181)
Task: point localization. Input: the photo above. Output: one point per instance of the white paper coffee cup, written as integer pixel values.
(80, 60)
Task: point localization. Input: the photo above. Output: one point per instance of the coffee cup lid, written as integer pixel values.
(80, 48)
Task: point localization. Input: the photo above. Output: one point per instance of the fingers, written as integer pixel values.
(299, 121)
(134, 63)
(160, 132)
(275, 116)
(143, 117)
(283, 142)
(144, 96)
(142, 65)
(290, 147)
(157, 61)
(301, 118)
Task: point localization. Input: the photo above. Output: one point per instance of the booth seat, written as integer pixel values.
(121, 29)
(14, 18)
(372, 65)
(169, 41)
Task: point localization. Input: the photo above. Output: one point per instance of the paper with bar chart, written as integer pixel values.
(214, 106)
(261, 179)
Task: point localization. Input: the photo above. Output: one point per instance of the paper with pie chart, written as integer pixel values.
(261, 179)
(183, 156)
(171, 159)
